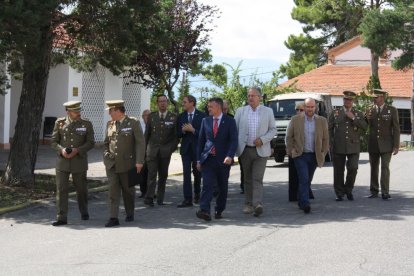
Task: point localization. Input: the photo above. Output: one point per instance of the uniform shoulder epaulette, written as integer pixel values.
(133, 118)
(61, 119)
(85, 119)
(109, 122)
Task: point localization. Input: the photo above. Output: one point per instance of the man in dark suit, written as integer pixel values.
(383, 142)
(188, 128)
(217, 144)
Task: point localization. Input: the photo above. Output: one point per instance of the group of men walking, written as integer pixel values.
(141, 152)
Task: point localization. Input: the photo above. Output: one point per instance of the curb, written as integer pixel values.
(104, 188)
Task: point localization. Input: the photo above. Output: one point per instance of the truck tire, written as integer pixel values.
(279, 157)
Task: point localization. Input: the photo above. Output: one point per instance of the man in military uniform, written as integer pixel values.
(124, 150)
(383, 142)
(161, 139)
(345, 126)
(72, 138)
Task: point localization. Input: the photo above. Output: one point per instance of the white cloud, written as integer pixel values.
(253, 29)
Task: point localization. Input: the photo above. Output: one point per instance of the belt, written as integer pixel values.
(250, 147)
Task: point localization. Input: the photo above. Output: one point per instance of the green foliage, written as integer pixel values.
(308, 54)
(232, 89)
(327, 23)
(178, 36)
(184, 88)
(382, 30)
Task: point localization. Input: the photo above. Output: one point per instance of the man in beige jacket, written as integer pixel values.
(307, 142)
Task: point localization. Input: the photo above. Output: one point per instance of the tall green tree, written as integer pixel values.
(180, 33)
(326, 24)
(29, 33)
(184, 88)
(406, 60)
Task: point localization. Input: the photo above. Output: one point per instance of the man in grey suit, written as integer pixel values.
(256, 128)
(124, 151)
(162, 141)
(307, 142)
(383, 142)
(72, 138)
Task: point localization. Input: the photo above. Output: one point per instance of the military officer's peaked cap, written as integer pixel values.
(349, 95)
(380, 92)
(73, 106)
(114, 103)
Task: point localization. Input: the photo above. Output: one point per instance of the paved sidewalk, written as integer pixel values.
(46, 159)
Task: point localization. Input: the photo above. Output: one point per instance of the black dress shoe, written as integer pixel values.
(141, 196)
(129, 218)
(218, 215)
(373, 196)
(350, 196)
(306, 209)
(385, 196)
(203, 215)
(59, 222)
(339, 198)
(112, 222)
(196, 198)
(149, 201)
(160, 203)
(185, 204)
(85, 217)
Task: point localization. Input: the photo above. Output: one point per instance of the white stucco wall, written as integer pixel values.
(361, 54)
(56, 93)
(62, 80)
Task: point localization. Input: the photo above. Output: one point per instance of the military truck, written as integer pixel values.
(283, 107)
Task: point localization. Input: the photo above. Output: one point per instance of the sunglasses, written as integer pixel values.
(298, 109)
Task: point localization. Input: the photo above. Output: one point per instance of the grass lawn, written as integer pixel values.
(45, 187)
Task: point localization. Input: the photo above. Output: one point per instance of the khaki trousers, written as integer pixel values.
(118, 183)
(374, 160)
(62, 193)
(253, 168)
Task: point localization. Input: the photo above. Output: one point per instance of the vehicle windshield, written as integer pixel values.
(284, 108)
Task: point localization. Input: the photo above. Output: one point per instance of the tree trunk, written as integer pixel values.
(374, 65)
(23, 151)
(412, 114)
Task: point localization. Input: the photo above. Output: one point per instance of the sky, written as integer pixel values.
(252, 31)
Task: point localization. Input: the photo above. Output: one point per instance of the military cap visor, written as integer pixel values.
(114, 104)
(350, 95)
(380, 92)
(74, 106)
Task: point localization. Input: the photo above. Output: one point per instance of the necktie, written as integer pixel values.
(118, 125)
(215, 130)
(162, 116)
(190, 117)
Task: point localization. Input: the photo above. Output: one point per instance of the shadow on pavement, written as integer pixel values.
(278, 211)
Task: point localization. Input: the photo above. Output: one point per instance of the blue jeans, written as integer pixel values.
(305, 166)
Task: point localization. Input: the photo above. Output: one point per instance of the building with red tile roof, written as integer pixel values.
(349, 68)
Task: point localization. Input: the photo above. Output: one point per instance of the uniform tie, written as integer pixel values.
(162, 116)
(118, 125)
(215, 130)
(190, 117)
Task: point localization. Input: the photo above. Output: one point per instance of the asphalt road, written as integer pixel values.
(363, 237)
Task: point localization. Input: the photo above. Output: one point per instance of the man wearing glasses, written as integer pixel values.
(345, 128)
(293, 174)
(256, 127)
